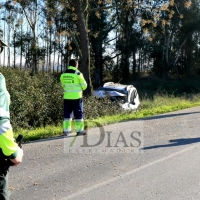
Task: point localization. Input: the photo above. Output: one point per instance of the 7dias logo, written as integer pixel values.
(109, 139)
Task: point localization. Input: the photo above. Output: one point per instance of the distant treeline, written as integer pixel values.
(120, 39)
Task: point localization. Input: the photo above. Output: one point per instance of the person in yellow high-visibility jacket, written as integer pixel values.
(73, 84)
(9, 150)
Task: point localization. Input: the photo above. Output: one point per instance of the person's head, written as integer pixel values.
(2, 43)
(73, 62)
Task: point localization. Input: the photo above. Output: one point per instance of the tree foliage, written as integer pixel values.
(134, 36)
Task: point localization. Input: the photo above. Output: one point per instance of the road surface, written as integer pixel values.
(155, 158)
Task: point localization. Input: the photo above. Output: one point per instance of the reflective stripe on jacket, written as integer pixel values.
(7, 144)
(73, 83)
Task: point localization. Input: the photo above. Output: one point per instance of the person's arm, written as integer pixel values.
(82, 82)
(18, 159)
(61, 81)
(10, 147)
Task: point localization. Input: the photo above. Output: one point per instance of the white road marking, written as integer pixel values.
(127, 173)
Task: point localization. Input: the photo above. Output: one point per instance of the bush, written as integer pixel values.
(37, 101)
(98, 107)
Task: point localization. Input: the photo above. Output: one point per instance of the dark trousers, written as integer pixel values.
(73, 106)
(4, 191)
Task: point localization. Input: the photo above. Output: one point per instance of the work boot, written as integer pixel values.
(66, 133)
(81, 133)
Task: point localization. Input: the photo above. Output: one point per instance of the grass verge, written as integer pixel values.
(149, 107)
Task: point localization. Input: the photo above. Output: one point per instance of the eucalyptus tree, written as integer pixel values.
(81, 11)
(30, 11)
(127, 17)
(99, 27)
(131, 40)
(77, 28)
(71, 20)
(9, 18)
(48, 35)
(190, 30)
(81, 15)
(14, 21)
(169, 28)
(66, 41)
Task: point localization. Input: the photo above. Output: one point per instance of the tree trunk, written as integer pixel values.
(9, 32)
(84, 45)
(4, 30)
(50, 49)
(21, 55)
(98, 71)
(32, 21)
(134, 64)
(125, 66)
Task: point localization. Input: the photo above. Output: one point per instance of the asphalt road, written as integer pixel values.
(157, 158)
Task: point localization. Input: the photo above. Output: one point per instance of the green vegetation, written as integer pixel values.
(158, 105)
(37, 105)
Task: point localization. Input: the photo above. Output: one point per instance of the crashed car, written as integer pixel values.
(126, 95)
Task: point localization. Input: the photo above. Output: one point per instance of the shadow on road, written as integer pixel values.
(170, 115)
(176, 142)
(59, 137)
(100, 126)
